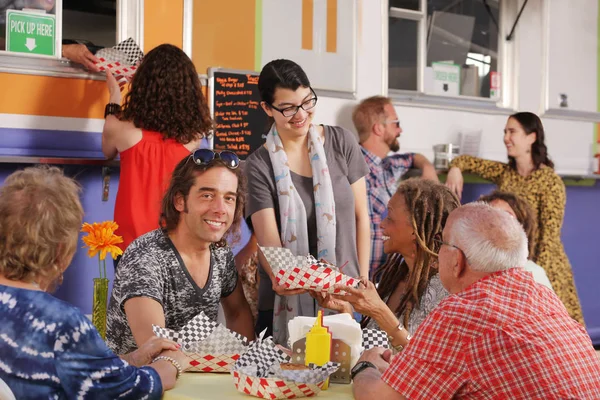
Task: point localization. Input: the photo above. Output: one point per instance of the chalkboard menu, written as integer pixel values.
(240, 122)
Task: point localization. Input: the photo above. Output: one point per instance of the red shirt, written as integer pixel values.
(146, 170)
(504, 337)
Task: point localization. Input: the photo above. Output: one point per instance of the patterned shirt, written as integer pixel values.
(49, 350)
(382, 182)
(432, 296)
(504, 337)
(152, 267)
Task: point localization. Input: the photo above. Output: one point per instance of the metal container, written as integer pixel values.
(444, 154)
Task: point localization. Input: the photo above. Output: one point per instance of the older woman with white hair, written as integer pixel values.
(498, 335)
(48, 348)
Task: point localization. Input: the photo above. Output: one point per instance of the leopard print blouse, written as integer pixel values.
(546, 194)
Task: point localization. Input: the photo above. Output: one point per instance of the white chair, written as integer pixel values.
(5, 392)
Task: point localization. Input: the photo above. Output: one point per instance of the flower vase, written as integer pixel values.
(100, 304)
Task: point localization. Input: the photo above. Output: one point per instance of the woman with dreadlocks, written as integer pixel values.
(409, 287)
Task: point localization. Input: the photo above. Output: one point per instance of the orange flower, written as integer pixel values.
(101, 239)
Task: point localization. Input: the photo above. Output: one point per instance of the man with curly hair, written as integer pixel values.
(171, 274)
(163, 118)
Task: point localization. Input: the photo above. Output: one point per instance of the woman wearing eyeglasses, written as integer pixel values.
(306, 192)
(162, 120)
(409, 285)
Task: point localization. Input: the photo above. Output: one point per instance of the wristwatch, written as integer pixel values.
(359, 367)
(112, 109)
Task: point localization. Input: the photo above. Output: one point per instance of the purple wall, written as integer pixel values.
(580, 235)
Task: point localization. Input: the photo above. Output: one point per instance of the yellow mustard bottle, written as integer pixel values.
(318, 345)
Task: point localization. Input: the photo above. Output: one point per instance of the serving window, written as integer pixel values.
(33, 32)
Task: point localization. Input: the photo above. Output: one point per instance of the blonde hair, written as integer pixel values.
(40, 217)
(367, 113)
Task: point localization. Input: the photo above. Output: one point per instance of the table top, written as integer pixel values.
(201, 385)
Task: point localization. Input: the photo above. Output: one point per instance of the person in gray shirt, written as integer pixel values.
(306, 192)
(169, 275)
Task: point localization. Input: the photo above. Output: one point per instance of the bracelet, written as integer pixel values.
(398, 347)
(172, 361)
(112, 109)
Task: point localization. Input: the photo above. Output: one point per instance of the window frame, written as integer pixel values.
(507, 54)
(130, 23)
(553, 112)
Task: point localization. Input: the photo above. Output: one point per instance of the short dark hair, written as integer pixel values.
(165, 96)
(531, 123)
(524, 213)
(281, 73)
(182, 180)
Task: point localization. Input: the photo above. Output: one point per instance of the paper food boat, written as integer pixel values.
(304, 272)
(374, 338)
(211, 346)
(121, 60)
(258, 373)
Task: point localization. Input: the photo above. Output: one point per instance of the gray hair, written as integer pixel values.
(492, 240)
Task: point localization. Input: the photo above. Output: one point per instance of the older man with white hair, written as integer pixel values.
(499, 334)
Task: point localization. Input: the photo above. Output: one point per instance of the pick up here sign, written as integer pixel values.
(30, 32)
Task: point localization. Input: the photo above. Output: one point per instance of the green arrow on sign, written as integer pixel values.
(30, 32)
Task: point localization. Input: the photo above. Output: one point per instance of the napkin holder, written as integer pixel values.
(340, 353)
(258, 373)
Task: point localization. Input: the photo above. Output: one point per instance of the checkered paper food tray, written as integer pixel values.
(272, 388)
(304, 272)
(121, 60)
(374, 338)
(258, 373)
(211, 346)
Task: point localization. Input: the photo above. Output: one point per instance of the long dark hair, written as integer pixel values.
(531, 123)
(166, 96)
(429, 204)
(281, 73)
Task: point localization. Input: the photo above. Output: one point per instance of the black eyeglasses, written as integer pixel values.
(204, 156)
(289, 112)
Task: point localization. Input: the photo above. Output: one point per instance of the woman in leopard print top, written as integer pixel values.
(530, 174)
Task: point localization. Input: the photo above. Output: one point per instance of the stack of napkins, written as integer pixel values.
(304, 272)
(261, 372)
(211, 346)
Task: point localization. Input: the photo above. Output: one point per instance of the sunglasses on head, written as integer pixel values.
(205, 156)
